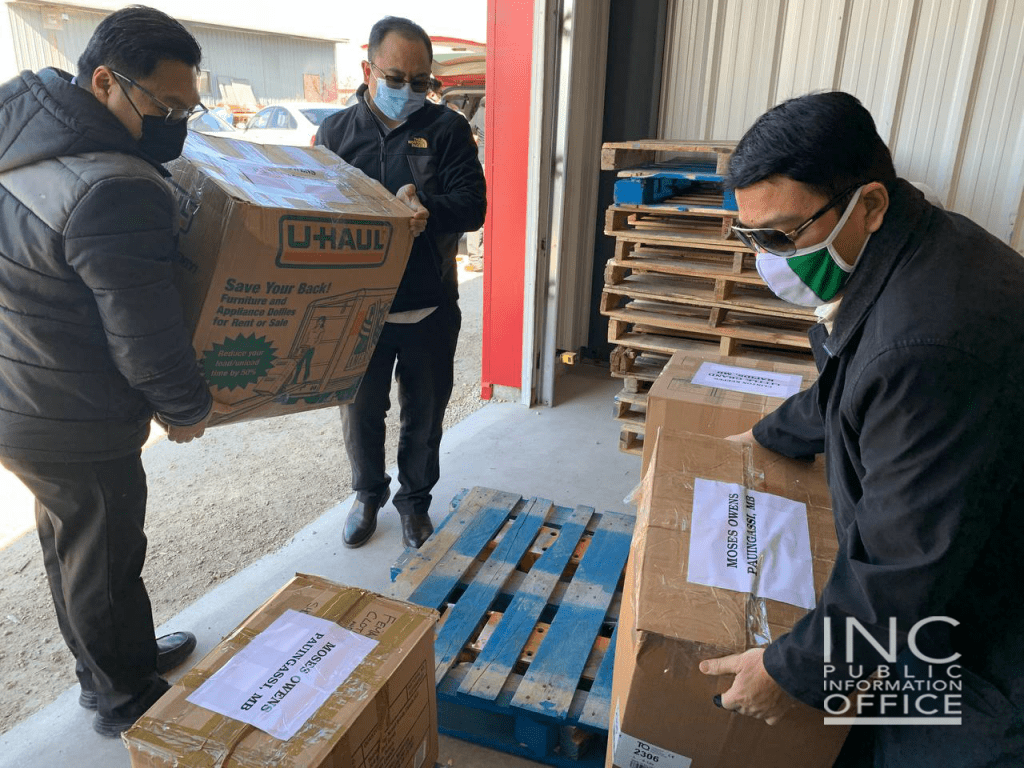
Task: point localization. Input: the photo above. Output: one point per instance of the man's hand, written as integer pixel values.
(753, 693)
(418, 222)
(187, 434)
(746, 437)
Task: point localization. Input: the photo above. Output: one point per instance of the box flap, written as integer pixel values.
(289, 178)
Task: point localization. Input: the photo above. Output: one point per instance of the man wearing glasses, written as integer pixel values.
(425, 155)
(92, 340)
(919, 413)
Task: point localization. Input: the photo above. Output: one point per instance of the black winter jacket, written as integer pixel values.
(433, 149)
(92, 340)
(919, 409)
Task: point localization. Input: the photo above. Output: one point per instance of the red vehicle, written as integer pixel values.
(461, 66)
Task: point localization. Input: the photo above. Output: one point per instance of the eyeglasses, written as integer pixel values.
(784, 243)
(420, 84)
(171, 115)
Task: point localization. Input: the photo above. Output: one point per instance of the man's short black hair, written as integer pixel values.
(133, 41)
(827, 141)
(410, 30)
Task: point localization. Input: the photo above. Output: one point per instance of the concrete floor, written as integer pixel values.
(568, 454)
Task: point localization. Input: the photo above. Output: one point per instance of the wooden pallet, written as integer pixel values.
(668, 333)
(626, 154)
(637, 371)
(529, 594)
(702, 222)
(630, 407)
(708, 240)
(631, 439)
(716, 293)
(631, 412)
(689, 261)
(729, 328)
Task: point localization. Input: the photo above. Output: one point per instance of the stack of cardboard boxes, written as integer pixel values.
(288, 261)
(733, 545)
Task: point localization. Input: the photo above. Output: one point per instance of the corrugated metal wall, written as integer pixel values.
(944, 80)
(272, 64)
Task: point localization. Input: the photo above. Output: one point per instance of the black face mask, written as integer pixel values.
(161, 140)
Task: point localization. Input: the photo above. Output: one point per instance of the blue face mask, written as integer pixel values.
(397, 103)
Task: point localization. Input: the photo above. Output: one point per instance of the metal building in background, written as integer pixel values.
(237, 62)
(944, 80)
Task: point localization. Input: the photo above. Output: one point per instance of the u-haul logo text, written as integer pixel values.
(313, 241)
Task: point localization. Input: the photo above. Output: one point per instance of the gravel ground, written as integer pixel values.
(215, 506)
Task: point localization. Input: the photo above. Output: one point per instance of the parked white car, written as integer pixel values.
(287, 123)
(212, 125)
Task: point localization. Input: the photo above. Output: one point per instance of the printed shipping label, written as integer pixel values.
(284, 674)
(752, 542)
(631, 752)
(747, 380)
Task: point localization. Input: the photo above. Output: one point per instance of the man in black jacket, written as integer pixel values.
(424, 154)
(92, 340)
(919, 413)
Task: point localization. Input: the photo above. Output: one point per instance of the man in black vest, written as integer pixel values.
(92, 339)
(425, 155)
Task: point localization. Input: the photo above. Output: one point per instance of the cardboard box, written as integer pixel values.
(288, 261)
(661, 703)
(383, 715)
(718, 406)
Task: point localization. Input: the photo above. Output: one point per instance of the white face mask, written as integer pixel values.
(397, 103)
(810, 276)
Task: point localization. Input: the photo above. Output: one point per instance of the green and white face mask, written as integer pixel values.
(810, 276)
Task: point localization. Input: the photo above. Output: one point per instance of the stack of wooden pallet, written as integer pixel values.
(679, 279)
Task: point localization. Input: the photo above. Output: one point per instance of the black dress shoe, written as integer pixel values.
(416, 529)
(116, 723)
(171, 650)
(362, 521)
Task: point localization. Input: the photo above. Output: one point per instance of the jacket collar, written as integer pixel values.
(899, 236)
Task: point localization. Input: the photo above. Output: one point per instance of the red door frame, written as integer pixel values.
(509, 64)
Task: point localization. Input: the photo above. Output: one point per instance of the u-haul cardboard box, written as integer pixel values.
(320, 676)
(288, 261)
(733, 544)
(719, 396)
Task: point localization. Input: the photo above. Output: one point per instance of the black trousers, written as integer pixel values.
(422, 356)
(90, 518)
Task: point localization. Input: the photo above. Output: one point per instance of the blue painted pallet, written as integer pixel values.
(529, 593)
(657, 183)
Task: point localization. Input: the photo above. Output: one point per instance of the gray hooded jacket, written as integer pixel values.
(92, 339)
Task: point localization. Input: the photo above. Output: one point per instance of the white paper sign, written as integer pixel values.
(750, 541)
(748, 380)
(284, 674)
